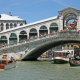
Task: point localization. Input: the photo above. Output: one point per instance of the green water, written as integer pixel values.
(40, 70)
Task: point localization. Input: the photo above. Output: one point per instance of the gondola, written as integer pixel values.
(72, 64)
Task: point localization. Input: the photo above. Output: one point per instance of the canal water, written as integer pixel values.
(40, 70)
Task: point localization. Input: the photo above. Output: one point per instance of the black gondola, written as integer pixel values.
(72, 64)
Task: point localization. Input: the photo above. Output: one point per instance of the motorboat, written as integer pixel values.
(60, 57)
(6, 64)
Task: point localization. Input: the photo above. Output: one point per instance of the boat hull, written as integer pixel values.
(3, 67)
(9, 66)
(59, 60)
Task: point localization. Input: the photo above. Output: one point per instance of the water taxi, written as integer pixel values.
(60, 57)
(6, 63)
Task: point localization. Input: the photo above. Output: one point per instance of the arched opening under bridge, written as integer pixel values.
(41, 49)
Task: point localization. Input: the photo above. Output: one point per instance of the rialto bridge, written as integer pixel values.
(33, 48)
(38, 28)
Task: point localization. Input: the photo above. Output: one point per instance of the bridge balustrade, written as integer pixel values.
(42, 37)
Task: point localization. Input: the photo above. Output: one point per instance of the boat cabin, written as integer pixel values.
(5, 62)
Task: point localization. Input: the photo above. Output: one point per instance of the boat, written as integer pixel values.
(74, 62)
(60, 57)
(6, 63)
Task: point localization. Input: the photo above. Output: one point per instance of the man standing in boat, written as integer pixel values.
(69, 57)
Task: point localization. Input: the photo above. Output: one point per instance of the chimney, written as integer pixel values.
(10, 14)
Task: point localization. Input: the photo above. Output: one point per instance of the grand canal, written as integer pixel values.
(40, 70)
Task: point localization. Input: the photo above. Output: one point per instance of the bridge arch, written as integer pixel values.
(53, 27)
(12, 38)
(68, 12)
(69, 15)
(33, 33)
(33, 55)
(22, 35)
(43, 30)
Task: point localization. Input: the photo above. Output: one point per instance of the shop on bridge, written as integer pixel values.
(53, 27)
(22, 36)
(33, 33)
(43, 30)
(13, 38)
(3, 40)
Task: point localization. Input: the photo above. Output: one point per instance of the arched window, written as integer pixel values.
(21, 24)
(33, 31)
(11, 25)
(53, 25)
(43, 27)
(1, 26)
(23, 32)
(15, 25)
(13, 35)
(7, 26)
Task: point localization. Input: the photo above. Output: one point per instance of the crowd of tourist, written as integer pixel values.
(45, 34)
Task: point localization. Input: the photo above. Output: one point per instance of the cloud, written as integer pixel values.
(60, 2)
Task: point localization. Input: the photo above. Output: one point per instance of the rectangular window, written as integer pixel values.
(71, 46)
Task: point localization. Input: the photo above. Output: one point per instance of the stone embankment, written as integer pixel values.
(15, 56)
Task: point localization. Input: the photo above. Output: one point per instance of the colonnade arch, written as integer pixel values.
(43, 30)
(12, 38)
(53, 27)
(33, 33)
(3, 40)
(22, 35)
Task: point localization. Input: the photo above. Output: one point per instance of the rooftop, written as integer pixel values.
(8, 17)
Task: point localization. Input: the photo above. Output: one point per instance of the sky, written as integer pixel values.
(36, 10)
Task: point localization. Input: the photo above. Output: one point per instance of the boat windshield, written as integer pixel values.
(60, 54)
(2, 62)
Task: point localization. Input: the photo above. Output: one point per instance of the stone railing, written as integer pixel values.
(41, 37)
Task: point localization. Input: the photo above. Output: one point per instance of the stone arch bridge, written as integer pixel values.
(32, 49)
